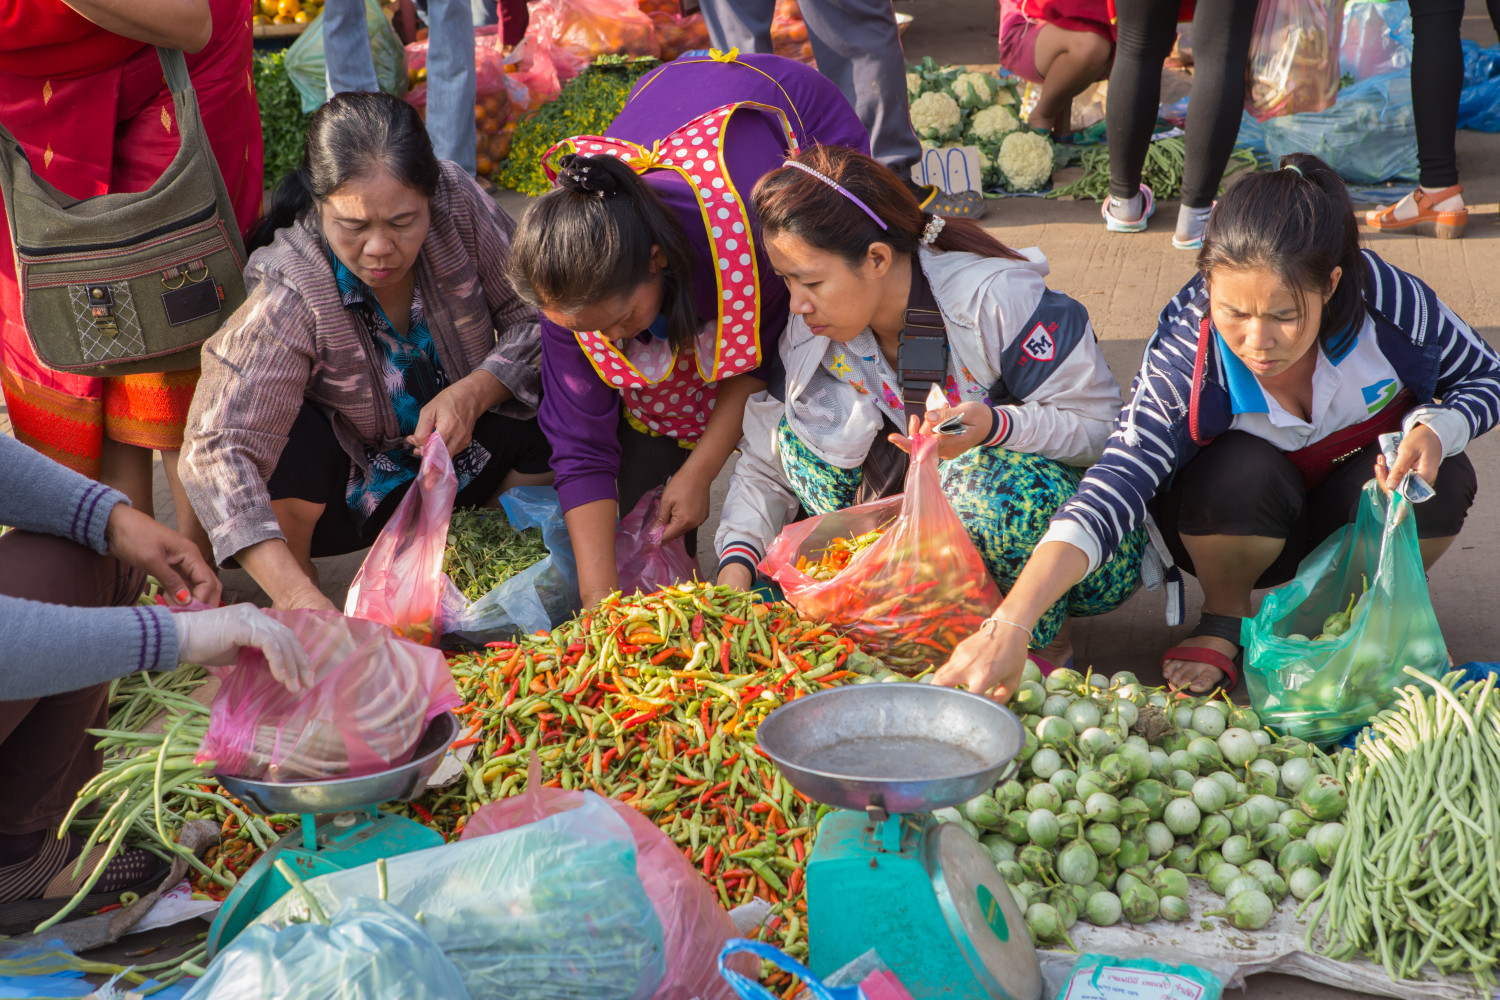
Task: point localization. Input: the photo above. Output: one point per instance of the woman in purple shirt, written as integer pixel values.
(660, 312)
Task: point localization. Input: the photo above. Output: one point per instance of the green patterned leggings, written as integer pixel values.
(1005, 499)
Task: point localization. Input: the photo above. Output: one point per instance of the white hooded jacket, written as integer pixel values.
(1002, 323)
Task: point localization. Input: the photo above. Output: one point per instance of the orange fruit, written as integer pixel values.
(486, 166)
(287, 8)
(301, 17)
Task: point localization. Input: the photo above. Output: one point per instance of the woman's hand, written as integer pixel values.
(214, 638)
(1421, 451)
(684, 502)
(140, 541)
(454, 411)
(737, 576)
(988, 662)
(978, 422)
(305, 598)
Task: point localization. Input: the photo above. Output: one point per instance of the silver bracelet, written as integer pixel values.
(994, 620)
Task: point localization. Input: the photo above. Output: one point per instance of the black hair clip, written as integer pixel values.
(579, 175)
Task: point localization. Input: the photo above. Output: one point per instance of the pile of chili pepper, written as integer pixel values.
(834, 559)
(653, 700)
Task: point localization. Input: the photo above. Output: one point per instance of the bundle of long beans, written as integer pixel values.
(654, 700)
(1417, 878)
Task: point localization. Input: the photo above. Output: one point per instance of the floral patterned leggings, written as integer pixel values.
(1005, 499)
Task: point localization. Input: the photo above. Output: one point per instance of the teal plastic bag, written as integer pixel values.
(304, 59)
(1323, 690)
(1104, 977)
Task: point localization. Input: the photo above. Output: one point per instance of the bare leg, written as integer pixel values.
(1069, 61)
(1227, 567)
(297, 519)
(1433, 549)
(187, 518)
(128, 469)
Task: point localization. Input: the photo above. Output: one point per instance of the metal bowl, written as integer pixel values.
(900, 747)
(340, 794)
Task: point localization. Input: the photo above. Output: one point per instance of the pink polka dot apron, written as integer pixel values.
(667, 391)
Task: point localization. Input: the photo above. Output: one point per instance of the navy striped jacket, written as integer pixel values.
(1180, 398)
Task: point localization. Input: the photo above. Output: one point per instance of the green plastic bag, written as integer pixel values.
(1323, 690)
(1104, 977)
(304, 59)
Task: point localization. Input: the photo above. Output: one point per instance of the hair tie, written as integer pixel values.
(1294, 167)
(576, 174)
(935, 224)
(840, 189)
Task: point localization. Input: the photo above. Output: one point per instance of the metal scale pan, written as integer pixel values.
(906, 748)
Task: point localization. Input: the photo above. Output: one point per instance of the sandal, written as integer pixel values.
(1148, 209)
(35, 889)
(1428, 221)
(934, 201)
(1226, 627)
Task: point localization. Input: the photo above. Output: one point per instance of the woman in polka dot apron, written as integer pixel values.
(660, 313)
(1016, 363)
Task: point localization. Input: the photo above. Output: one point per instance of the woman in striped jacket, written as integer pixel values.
(1253, 423)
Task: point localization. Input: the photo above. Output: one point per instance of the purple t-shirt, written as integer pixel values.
(579, 413)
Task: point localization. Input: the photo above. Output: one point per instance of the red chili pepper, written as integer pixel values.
(708, 860)
(713, 790)
(697, 629)
(500, 645)
(731, 619)
(416, 808)
(634, 721)
(467, 741)
(724, 656)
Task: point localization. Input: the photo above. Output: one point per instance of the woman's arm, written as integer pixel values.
(172, 24)
(273, 566)
(591, 527)
(990, 661)
(684, 503)
(759, 502)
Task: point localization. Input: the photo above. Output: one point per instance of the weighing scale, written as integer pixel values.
(884, 874)
(341, 827)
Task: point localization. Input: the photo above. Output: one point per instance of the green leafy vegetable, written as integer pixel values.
(283, 124)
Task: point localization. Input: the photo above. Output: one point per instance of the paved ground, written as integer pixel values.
(1124, 280)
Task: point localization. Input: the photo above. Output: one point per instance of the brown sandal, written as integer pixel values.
(1428, 221)
(1226, 627)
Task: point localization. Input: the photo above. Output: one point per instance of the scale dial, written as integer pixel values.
(982, 914)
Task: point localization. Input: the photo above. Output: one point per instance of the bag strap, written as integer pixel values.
(174, 68)
(922, 357)
(749, 989)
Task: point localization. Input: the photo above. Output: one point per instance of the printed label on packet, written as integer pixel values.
(1115, 982)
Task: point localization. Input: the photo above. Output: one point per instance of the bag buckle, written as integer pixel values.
(184, 273)
(101, 300)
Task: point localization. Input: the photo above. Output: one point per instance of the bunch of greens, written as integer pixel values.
(586, 106)
(283, 123)
(484, 551)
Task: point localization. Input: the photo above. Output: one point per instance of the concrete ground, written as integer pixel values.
(1124, 280)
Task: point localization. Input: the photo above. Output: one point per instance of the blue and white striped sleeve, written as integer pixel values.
(1468, 379)
(1150, 441)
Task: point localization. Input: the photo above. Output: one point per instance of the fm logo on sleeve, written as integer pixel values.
(1040, 344)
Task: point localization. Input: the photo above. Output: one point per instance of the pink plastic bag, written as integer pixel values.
(545, 66)
(400, 583)
(645, 563)
(1294, 57)
(365, 712)
(694, 925)
(489, 66)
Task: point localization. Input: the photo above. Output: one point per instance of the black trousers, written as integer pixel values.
(1243, 485)
(1221, 48)
(1437, 79)
(314, 467)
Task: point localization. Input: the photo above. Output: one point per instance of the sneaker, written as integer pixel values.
(1428, 221)
(1115, 225)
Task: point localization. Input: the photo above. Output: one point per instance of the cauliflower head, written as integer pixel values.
(936, 116)
(913, 85)
(974, 90)
(993, 124)
(1026, 161)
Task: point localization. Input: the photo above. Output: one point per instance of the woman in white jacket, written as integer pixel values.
(888, 304)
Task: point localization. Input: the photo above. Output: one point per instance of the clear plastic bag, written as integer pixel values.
(1368, 137)
(1294, 57)
(400, 583)
(1321, 691)
(915, 593)
(538, 598)
(369, 951)
(552, 910)
(694, 925)
(1377, 38)
(1104, 977)
(308, 70)
(372, 698)
(647, 564)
